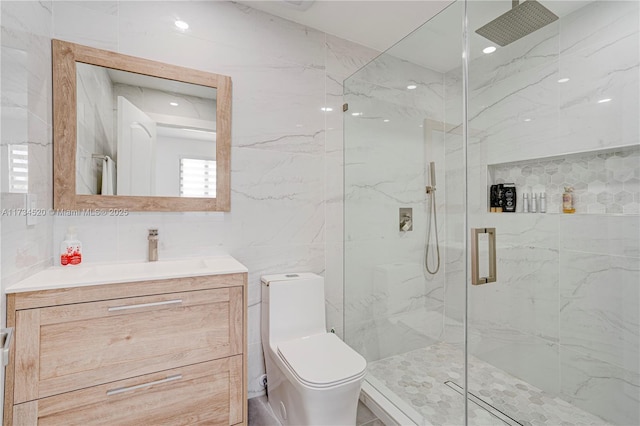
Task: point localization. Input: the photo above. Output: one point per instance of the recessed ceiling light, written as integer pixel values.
(489, 49)
(173, 103)
(181, 24)
(327, 109)
(602, 101)
(386, 120)
(563, 80)
(411, 86)
(527, 120)
(356, 114)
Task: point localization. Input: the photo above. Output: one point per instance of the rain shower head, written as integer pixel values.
(521, 20)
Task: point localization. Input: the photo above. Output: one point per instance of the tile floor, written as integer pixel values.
(418, 377)
(260, 414)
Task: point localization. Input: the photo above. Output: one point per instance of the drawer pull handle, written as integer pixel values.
(144, 385)
(7, 334)
(145, 305)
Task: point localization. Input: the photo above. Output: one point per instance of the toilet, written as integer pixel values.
(313, 377)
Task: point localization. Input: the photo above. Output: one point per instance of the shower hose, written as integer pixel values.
(432, 214)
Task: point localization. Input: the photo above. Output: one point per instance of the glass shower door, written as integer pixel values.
(403, 113)
(555, 339)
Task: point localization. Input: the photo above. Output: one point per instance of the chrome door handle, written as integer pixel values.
(145, 305)
(144, 385)
(475, 267)
(7, 335)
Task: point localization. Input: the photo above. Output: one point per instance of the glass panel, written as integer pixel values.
(405, 112)
(556, 339)
(552, 114)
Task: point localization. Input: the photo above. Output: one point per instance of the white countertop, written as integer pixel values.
(112, 273)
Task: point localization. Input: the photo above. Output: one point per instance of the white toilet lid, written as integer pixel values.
(322, 360)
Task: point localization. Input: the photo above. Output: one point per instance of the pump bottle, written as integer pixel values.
(71, 248)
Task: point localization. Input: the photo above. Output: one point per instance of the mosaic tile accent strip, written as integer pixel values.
(418, 377)
(603, 182)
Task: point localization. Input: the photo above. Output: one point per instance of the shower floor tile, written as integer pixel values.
(417, 378)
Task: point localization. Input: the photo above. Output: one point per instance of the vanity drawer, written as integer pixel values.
(69, 347)
(205, 393)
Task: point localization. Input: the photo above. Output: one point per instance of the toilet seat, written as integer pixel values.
(321, 360)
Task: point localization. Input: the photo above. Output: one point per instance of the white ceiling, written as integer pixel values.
(380, 24)
(377, 24)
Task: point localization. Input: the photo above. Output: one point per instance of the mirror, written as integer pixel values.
(140, 135)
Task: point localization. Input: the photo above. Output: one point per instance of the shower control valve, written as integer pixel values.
(406, 219)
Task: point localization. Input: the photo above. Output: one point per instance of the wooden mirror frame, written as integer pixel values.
(65, 56)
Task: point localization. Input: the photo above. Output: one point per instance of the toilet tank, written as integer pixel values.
(293, 306)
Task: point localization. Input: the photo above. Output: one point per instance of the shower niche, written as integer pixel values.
(603, 181)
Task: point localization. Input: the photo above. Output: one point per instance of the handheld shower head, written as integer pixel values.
(520, 21)
(432, 171)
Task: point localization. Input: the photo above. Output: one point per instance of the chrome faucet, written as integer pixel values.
(153, 245)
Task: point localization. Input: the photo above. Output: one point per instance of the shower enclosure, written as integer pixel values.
(556, 338)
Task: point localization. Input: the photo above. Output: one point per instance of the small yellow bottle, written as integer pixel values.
(567, 200)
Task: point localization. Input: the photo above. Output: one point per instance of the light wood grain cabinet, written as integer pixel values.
(160, 356)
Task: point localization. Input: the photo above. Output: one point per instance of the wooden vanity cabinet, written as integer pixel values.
(152, 352)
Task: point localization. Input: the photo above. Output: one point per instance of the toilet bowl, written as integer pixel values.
(313, 377)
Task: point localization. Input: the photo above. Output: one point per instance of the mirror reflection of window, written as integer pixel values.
(18, 168)
(175, 144)
(197, 177)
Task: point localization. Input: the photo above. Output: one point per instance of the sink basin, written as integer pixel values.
(159, 269)
(106, 273)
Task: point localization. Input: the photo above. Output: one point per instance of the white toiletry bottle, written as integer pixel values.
(543, 202)
(525, 203)
(534, 202)
(71, 248)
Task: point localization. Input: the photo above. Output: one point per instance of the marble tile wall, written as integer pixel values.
(25, 116)
(286, 152)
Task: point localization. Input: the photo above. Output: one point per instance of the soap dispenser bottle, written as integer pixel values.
(567, 200)
(71, 248)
